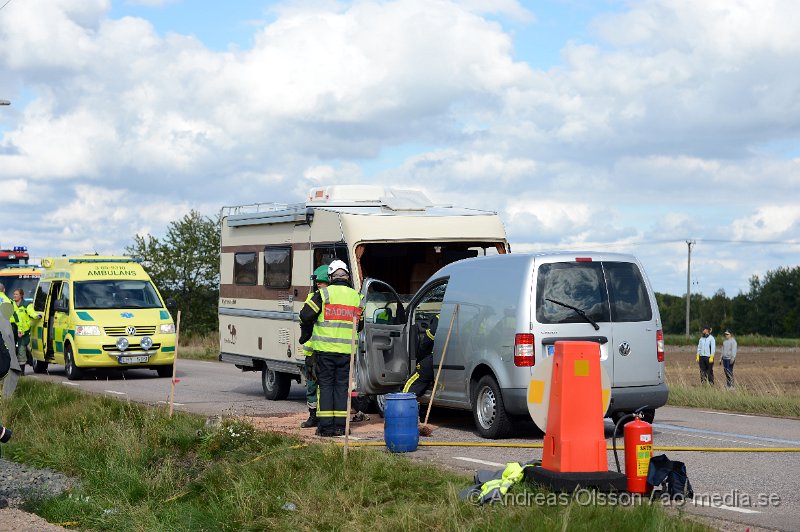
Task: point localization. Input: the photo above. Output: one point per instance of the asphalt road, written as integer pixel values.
(724, 480)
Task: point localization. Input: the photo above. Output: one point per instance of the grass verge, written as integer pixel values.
(735, 400)
(196, 347)
(754, 340)
(141, 470)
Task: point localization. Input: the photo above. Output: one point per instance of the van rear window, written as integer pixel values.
(627, 292)
(577, 284)
(605, 291)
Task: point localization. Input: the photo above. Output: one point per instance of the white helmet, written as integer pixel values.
(337, 265)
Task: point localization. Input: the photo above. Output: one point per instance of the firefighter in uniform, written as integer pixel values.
(320, 278)
(331, 310)
(423, 376)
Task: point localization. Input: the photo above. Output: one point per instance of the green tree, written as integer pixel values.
(184, 265)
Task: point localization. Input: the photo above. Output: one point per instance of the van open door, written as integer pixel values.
(382, 364)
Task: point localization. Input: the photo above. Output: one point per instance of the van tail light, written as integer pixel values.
(660, 345)
(523, 350)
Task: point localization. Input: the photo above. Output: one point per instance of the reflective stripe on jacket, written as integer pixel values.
(333, 328)
(491, 486)
(308, 347)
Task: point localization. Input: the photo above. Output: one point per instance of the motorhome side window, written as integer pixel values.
(40, 299)
(277, 267)
(329, 253)
(245, 268)
(577, 284)
(627, 292)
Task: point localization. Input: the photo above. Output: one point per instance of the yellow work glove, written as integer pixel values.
(697, 359)
(711, 359)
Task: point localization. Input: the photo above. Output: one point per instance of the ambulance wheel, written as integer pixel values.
(74, 373)
(39, 366)
(488, 410)
(276, 384)
(164, 371)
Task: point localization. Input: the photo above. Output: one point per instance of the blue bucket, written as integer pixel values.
(401, 416)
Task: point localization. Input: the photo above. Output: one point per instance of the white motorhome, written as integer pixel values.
(269, 251)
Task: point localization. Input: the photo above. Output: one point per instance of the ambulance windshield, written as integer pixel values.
(116, 294)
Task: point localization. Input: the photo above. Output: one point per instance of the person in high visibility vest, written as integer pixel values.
(419, 381)
(22, 317)
(320, 278)
(332, 310)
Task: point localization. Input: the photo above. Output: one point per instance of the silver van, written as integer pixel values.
(506, 304)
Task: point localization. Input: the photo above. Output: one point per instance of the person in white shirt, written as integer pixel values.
(706, 349)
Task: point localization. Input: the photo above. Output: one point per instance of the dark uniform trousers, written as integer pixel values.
(422, 378)
(333, 372)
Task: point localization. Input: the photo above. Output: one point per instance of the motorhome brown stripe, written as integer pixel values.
(262, 292)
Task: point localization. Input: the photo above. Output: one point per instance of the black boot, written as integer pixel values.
(312, 420)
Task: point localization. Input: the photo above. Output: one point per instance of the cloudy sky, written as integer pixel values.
(587, 124)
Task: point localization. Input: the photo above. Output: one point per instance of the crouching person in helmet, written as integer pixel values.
(320, 278)
(329, 313)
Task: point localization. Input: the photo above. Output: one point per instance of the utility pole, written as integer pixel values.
(689, 243)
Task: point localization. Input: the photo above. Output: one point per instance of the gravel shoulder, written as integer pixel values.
(19, 482)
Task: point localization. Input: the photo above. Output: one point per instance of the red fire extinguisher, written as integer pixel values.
(638, 451)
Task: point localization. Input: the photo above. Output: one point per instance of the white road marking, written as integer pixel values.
(724, 413)
(70, 383)
(727, 441)
(166, 403)
(475, 460)
(731, 508)
(115, 392)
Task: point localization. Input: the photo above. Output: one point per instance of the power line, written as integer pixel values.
(704, 240)
(4, 5)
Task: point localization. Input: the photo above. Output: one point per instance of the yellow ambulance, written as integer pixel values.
(100, 312)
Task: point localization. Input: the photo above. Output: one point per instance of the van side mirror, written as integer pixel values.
(61, 305)
(171, 304)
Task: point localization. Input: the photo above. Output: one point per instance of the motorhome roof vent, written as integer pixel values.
(368, 196)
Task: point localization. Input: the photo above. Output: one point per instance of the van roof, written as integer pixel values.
(528, 256)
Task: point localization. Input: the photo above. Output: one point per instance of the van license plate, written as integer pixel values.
(134, 360)
(551, 350)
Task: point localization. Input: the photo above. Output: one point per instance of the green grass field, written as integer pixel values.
(138, 469)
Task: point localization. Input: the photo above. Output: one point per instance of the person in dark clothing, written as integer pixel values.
(331, 311)
(423, 376)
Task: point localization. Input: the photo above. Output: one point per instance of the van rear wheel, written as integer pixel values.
(488, 410)
(74, 373)
(276, 384)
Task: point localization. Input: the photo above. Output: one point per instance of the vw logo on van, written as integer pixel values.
(624, 349)
(131, 330)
